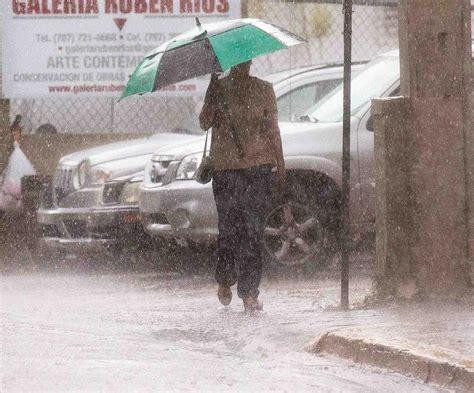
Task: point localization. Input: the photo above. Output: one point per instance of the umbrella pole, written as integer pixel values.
(346, 162)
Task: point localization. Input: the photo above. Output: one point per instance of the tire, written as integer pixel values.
(302, 231)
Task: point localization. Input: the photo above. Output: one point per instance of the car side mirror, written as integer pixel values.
(370, 124)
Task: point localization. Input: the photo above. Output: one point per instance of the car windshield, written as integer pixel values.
(372, 82)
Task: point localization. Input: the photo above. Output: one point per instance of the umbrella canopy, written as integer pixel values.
(213, 47)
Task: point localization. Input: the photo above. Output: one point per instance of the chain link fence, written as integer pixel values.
(375, 30)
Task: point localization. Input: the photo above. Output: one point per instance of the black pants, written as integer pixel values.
(243, 198)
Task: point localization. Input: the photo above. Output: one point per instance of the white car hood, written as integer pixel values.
(125, 149)
(296, 137)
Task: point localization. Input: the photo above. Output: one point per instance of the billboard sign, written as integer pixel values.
(83, 48)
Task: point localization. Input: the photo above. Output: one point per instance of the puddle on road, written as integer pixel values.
(191, 335)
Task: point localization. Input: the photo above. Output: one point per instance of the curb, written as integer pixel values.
(404, 361)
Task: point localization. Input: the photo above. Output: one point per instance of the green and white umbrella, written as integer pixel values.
(208, 48)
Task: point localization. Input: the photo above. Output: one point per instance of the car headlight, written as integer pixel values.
(100, 175)
(130, 193)
(82, 174)
(188, 166)
(157, 171)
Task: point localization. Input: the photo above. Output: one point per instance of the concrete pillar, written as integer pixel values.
(424, 155)
(394, 226)
(470, 168)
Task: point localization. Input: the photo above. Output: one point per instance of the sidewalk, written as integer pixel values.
(433, 342)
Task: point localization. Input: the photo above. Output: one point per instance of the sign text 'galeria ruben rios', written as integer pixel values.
(82, 48)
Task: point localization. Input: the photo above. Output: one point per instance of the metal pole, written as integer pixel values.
(346, 155)
(244, 10)
(112, 114)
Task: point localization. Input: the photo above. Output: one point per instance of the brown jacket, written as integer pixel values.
(252, 110)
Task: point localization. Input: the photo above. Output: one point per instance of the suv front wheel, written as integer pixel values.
(298, 231)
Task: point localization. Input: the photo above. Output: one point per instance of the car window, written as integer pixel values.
(372, 82)
(298, 100)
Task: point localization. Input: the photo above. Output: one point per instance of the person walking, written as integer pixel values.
(246, 149)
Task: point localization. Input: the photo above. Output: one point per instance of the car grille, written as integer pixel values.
(63, 182)
(110, 232)
(112, 192)
(48, 230)
(76, 228)
(47, 200)
(157, 218)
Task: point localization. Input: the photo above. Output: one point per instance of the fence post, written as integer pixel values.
(244, 9)
(112, 115)
(346, 163)
(4, 114)
(5, 136)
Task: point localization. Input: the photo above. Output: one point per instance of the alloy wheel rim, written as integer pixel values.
(292, 234)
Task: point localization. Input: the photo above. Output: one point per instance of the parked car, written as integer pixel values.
(305, 230)
(114, 221)
(92, 201)
(177, 207)
(95, 191)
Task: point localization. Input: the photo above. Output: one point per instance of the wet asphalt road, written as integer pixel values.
(122, 331)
